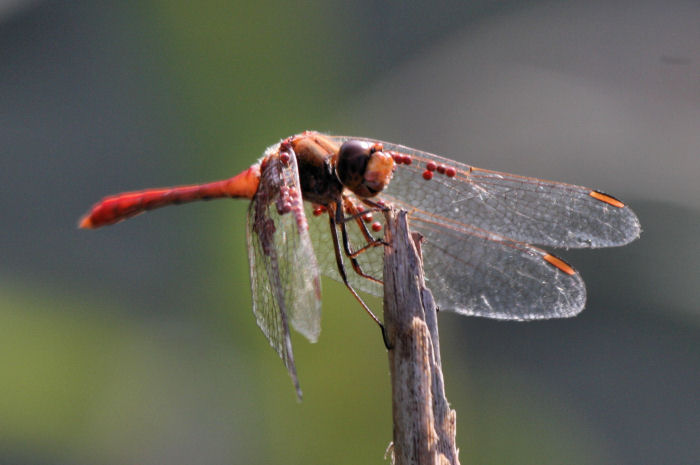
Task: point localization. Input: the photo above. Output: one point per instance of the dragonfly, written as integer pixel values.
(482, 230)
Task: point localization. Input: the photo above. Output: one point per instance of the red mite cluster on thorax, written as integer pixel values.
(290, 199)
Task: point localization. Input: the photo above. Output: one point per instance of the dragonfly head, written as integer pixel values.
(363, 167)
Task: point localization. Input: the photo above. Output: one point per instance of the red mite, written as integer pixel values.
(478, 227)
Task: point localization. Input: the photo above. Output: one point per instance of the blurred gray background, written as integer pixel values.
(136, 343)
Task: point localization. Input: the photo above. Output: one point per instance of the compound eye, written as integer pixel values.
(363, 168)
(352, 163)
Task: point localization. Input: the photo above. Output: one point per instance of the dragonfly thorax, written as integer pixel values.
(317, 178)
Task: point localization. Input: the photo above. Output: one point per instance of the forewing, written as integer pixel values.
(284, 275)
(524, 209)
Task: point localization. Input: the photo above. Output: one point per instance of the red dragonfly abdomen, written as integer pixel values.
(119, 207)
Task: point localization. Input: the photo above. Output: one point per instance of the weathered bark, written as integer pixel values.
(424, 424)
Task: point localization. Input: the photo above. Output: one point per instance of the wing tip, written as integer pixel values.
(633, 229)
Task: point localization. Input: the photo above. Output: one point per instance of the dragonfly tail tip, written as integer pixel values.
(86, 223)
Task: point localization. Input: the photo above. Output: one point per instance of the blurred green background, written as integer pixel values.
(136, 343)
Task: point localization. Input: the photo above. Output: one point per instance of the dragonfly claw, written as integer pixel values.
(385, 337)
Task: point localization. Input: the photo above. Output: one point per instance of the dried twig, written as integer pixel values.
(424, 424)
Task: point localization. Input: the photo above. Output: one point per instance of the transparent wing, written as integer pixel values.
(284, 274)
(524, 209)
(480, 273)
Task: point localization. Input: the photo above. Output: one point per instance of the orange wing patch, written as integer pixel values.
(609, 199)
(559, 263)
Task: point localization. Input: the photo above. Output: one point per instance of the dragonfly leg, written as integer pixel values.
(357, 214)
(344, 276)
(371, 241)
(381, 207)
